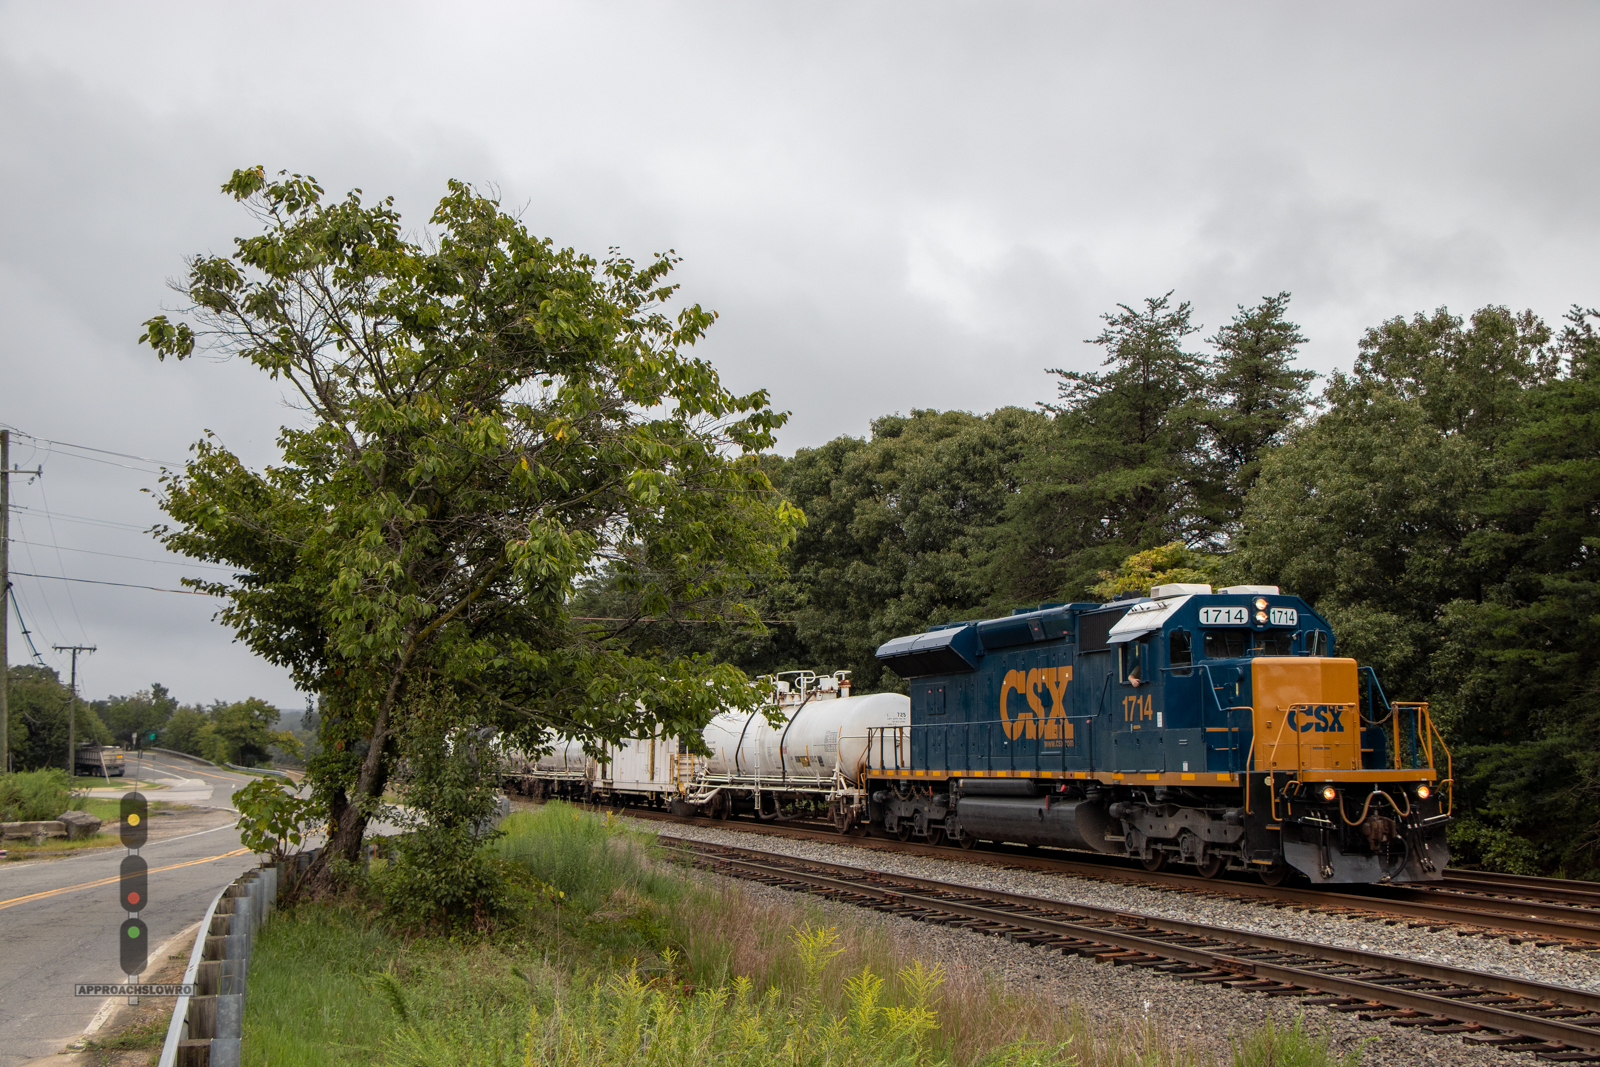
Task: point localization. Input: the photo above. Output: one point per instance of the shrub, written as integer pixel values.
(33, 796)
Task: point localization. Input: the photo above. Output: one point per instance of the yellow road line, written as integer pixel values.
(107, 881)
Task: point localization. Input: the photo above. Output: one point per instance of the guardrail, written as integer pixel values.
(207, 1027)
(221, 766)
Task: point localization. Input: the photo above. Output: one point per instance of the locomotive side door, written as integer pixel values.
(1135, 726)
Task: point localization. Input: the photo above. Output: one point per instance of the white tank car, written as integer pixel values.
(819, 736)
(801, 762)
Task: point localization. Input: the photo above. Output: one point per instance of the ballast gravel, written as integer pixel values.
(1496, 955)
(1181, 1007)
(1199, 1021)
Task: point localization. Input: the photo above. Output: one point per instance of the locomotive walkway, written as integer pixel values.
(1554, 1022)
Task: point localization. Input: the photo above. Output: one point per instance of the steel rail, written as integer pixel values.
(1218, 958)
(1577, 998)
(1530, 920)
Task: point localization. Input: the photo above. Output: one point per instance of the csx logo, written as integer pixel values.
(1318, 718)
(1036, 721)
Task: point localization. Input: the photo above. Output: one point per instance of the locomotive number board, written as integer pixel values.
(1224, 617)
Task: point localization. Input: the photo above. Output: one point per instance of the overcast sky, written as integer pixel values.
(892, 206)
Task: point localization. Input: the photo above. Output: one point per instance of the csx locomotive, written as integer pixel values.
(1216, 730)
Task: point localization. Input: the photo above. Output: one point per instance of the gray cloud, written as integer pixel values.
(891, 206)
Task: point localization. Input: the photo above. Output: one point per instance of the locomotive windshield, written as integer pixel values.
(1235, 644)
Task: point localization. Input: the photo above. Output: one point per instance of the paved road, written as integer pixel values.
(58, 927)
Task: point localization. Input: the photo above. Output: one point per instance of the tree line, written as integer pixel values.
(1437, 503)
(241, 732)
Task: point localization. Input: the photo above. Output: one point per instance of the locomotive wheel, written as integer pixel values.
(1210, 868)
(1274, 875)
(902, 830)
(1155, 861)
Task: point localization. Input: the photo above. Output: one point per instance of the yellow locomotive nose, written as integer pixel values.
(1305, 713)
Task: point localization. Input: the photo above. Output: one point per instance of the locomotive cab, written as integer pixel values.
(1216, 729)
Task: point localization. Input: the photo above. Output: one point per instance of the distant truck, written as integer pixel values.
(99, 760)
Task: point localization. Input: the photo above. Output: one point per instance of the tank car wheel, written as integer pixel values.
(966, 840)
(1154, 862)
(902, 830)
(1211, 867)
(1274, 875)
(936, 835)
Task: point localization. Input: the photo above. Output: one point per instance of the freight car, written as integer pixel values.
(1216, 730)
(776, 766)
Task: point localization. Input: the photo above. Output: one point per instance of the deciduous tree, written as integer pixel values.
(486, 419)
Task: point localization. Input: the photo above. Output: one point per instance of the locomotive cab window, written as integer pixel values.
(1317, 643)
(1272, 643)
(1224, 644)
(1180, 651)
(1133, 660)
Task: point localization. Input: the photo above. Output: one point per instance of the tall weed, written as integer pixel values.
(1271, 1045)
(36, 796)
(587, 858)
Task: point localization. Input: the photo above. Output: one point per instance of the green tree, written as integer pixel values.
(146, 710)
(1121, 470)
(182, 731)
(1255, 396)
(488, 418)
(1519, 663)
(39, 703)
(1163, 565)
(242, 733)
(1367, 511)
(899, 530)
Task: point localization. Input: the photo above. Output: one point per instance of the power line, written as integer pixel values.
(61, 563)
(87, 520)
(90, 448)
(122, 585)
(136, 559)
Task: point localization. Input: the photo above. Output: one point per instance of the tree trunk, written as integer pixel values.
(349, 814)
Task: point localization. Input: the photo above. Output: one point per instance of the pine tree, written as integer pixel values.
(1256, 396)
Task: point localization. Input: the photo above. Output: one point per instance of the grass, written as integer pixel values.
(619, 958)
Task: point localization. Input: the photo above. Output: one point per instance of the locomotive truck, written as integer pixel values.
(1212, 729)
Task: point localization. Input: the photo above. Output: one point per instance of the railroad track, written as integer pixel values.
(1467, 902)
(1554, 1022)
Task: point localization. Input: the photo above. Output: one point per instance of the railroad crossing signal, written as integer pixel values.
(135, 827)
(135, 946)
(135, 881)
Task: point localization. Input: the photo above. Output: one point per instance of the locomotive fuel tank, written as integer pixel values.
(1042, 820)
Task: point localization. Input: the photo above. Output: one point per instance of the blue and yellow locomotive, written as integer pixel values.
(1213, 729)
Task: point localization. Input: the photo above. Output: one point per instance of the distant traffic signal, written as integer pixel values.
(135, 946)
(135, 826)
(135, 882)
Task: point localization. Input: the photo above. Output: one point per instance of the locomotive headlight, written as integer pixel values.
(1261, 616)
(1423, 792)
(1261, 603)
(1329, 793)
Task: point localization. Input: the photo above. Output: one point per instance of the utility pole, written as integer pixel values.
(5, 593)
(72, 711)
